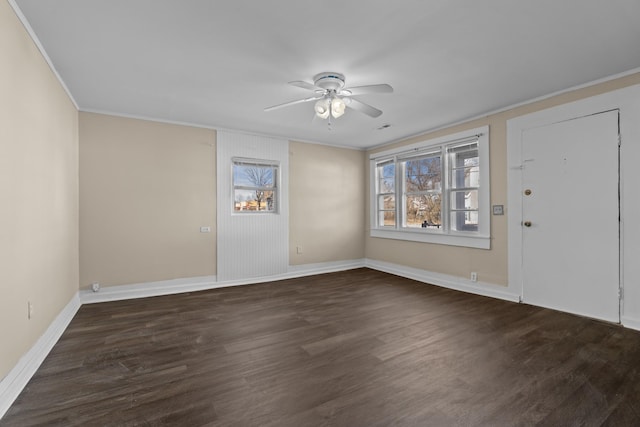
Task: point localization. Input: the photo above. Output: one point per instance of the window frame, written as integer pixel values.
(275, 189)
(445, 234)
(381, 211)
(454, 187)
(401, 168)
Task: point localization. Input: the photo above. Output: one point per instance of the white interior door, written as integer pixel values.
(570, 206)
(251, 244)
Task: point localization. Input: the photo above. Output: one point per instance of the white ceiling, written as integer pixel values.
(219, 63)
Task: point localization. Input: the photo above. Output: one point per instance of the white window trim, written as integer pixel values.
(480, 239)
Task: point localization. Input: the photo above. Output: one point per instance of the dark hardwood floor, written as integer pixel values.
(355, 348)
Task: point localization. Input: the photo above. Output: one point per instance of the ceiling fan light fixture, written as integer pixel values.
(322, 108)
(337, 107)
(332, 98)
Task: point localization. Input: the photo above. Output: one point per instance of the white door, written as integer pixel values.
(570, 207)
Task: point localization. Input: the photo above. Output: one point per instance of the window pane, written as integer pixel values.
(255, 186)
(387, 203)
(464, 150)
(464, 221)
(471, 159)
(465, 166)
(386, 177)
(387, 211)
(254, 200)
(466, 177)
(423, 174)
(248, 175)
(464, 199)
(423, 211)
(387, 218)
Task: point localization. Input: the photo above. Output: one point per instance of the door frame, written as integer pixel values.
(624, 100)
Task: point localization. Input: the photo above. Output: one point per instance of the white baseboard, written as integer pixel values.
(193, 284)
(148, 289)
(325, 267)
(445, 280)
(11, 385)
(631, 323)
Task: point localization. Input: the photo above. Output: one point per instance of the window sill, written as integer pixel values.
(469, 241)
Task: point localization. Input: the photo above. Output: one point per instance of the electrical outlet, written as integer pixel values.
(95, 287)
(205, 229)
(474, 276)
(29, 310)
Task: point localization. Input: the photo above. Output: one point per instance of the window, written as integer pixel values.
(465, 180)
(436, 191)
(255, 186)
(422, 190)
(387, 193)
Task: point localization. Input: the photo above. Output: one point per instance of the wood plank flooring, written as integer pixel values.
(355, 348)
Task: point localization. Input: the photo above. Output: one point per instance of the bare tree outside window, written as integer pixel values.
(423, 198)
(255, 186)
(260, 177)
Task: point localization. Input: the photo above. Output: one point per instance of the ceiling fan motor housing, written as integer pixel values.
(329, 81)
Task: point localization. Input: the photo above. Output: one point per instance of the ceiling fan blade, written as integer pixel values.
(361, 90)
(305, 85)
(367, 109)
(286, 104)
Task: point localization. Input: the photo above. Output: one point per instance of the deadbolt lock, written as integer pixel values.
(527, 223)
(527, 192)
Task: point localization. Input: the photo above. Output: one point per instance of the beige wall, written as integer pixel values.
(38, 193)
(326, 203)
(491, 265)
(146, 188)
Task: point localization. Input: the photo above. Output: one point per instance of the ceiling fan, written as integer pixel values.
(332, 97)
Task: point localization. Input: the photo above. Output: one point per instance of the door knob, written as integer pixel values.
(527, 192)
(527, 223)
